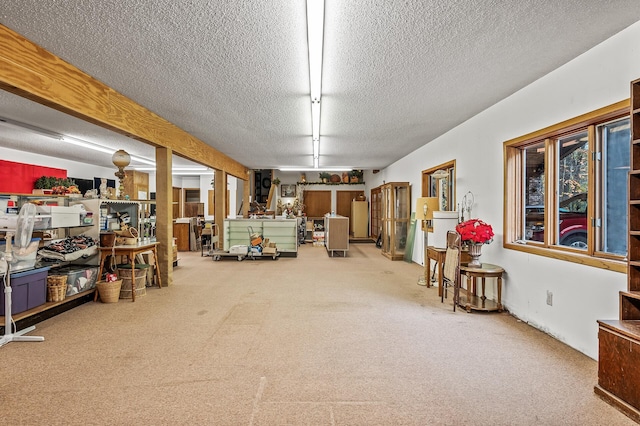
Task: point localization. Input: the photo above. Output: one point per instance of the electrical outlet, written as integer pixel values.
(549, 298)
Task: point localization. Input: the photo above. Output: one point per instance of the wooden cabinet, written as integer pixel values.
(336, 234)
(619, 340)
(182, 234)
(359, 219)
(376, 212)
(193, 209)
(136, 185)
(176, 200)
(396, 214)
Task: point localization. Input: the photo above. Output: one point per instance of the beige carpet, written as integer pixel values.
(311, 340)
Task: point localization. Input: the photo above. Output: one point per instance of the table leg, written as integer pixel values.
(500, 294)
(440, 266)
(100, 268)
(483, 284)
(471, 283)
(427, 268)
(133, 277)
(156, 267)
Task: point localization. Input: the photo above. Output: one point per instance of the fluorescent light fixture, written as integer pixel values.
(33, 129)
(68, 139)
(177, 169)
(79, 142)
(315, 119)
(309, 169)
(193, 173)
(85, 144)
(315, 40)
(315, 34)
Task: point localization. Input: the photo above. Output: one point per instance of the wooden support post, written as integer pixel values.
(164, 214)
(246, 194)
(270, 197)
(220, 183)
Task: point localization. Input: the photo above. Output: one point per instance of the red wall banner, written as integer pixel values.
(20, 177)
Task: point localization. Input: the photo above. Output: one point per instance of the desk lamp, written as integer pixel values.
(425, 206)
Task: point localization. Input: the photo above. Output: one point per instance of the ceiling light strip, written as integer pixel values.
(33, 129)
(315, 169)
(315, 40)
(315, 30)
(68, 139)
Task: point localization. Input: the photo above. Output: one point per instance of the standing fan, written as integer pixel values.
(23, 247)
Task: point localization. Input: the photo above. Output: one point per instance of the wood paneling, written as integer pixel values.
(30, 71)
(318, 203)
(136, 182)
(343, 202)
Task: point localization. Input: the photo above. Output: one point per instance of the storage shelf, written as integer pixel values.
(632, 294)
(47, 306)
(619, 341)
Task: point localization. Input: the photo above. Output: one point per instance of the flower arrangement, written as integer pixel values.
(475, 231)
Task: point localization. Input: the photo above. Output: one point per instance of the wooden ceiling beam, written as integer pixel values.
(32, 72)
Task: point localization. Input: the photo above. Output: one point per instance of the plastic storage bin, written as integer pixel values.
(79, 278)
(29, 290)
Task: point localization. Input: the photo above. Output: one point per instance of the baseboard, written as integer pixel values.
(631, 411)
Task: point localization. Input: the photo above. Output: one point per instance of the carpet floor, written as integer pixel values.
(312, 340)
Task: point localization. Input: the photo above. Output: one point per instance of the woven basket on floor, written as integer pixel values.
(56, 288)
(109, 291)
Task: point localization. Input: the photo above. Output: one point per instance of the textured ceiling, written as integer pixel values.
(235, 73)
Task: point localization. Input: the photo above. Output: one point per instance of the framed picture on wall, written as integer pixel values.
(287, 190)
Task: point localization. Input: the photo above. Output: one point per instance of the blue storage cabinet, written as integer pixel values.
(29, 290)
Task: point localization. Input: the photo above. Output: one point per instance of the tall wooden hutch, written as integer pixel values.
(396, 216)
(619, 340)
(376, 212)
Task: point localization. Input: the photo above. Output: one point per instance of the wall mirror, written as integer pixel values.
(440, 181)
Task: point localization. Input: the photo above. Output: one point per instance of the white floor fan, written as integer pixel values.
(22, 247)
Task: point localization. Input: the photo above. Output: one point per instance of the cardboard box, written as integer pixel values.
(269, 250)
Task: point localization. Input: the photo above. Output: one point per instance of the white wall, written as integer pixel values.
(581, 294)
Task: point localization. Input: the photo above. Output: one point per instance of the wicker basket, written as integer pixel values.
(56, 288)
(107, 239)
(109, 291)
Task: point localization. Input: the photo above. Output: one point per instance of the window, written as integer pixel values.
(614, 167)
(566, 189)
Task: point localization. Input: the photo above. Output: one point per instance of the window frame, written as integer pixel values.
(514, 176)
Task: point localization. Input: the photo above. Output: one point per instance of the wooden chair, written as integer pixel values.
(451, 275)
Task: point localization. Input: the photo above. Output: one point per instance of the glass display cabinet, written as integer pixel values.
(396, 215)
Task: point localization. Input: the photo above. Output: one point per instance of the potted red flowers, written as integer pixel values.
(475, 233)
